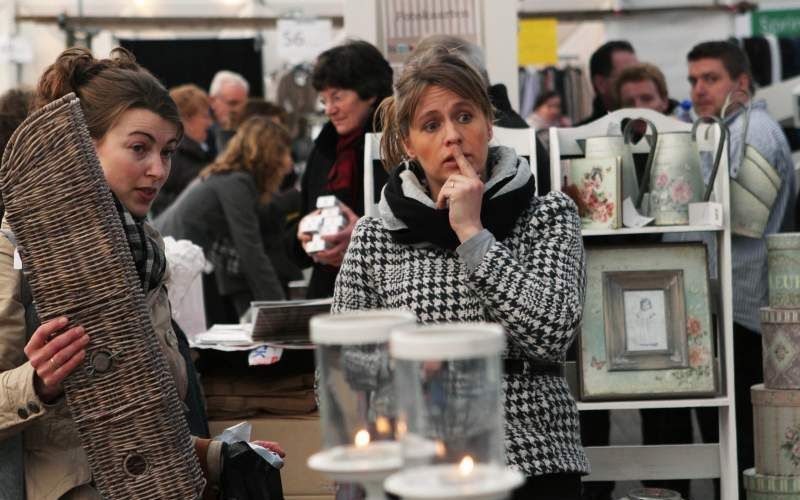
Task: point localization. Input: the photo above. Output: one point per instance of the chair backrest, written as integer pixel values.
(568, 142)
(522, 140)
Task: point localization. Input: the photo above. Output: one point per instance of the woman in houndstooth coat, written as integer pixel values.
(462, 237)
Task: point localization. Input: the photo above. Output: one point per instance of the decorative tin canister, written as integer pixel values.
(765, 487)
(676, 179)
(783, 258)
(776, 415)
(780, 336)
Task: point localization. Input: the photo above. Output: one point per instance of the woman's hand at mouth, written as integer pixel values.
(463, 192)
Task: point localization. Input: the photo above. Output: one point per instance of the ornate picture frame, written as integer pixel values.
(645, 320)
(667, 349)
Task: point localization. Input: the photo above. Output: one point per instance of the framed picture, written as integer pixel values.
(645, 320)
(646, 329)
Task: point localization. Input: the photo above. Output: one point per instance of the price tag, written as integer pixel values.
(17, 260)
(301, 40)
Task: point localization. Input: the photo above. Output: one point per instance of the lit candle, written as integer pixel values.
(466, 466)
(383, 425)
(362, 438)
(364, 449)
(464, 472)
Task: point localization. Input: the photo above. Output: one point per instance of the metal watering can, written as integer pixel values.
(673, 176)
(755, 183)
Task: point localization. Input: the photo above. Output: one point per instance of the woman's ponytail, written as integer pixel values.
(66, 75)
(392, 151)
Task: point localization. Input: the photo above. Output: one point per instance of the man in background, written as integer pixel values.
(719, 72)
(228, 93)
(605, 65)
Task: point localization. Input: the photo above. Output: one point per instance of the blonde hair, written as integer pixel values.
(435, 66)
(640, 73)
(258, 147)
(190, 100)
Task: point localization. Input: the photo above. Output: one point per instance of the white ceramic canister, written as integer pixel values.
(611, 146)
(776, 418)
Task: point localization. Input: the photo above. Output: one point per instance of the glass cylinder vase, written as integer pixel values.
(448, 385)
(356, 394)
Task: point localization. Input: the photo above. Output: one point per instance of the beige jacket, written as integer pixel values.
(56, 466)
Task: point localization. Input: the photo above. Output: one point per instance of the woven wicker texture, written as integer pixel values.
(78, 263)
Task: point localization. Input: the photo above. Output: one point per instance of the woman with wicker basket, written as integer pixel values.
(219, 212)
(135, 128)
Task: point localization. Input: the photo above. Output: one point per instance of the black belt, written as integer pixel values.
(533, 367)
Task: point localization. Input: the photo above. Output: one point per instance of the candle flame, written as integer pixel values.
(362, 438)
(466, 466)
(382, 425)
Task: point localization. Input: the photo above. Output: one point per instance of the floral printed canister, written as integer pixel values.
(783, 260)
(675, 180)
(780, 337)
(765, 487)
(776, 418)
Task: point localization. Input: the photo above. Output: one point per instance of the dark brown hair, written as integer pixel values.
(436, 66)
(106, 87)
(733, 58)
(258, 147)
(355, 65)
(14, 107)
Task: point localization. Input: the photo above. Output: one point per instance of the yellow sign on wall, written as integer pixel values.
(537, 42)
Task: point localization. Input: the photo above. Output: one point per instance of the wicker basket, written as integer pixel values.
(78, 262)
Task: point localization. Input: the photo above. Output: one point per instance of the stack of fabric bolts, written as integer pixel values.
(776, 402)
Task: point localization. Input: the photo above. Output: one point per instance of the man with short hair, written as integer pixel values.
(228, 93)
(719, 72)
(604, 66)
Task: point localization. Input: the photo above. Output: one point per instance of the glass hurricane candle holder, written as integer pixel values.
(448, 387)
(356, 396)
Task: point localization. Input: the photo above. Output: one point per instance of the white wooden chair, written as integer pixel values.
(523, 140)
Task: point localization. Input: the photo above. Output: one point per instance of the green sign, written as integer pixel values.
(776, 22)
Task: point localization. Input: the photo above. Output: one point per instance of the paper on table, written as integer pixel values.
(631, 217)
(226, 334)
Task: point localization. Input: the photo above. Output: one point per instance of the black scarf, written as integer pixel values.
(499, 212)
(150, 261)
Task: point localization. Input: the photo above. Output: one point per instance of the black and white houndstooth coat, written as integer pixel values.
(532, 283)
